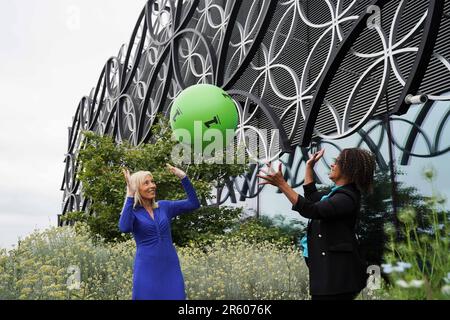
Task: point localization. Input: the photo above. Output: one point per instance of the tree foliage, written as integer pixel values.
(377, 211)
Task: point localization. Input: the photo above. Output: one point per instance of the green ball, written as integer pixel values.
(209, 106)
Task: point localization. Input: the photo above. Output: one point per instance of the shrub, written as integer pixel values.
(39, 268)
(226, 269)
(233, 269)
(204, 225)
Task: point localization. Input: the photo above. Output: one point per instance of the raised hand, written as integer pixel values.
(178, 172)
(272, 177)
(314, 158)
(130, 190)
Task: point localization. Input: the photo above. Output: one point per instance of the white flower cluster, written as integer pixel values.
(400, 267)
(412, 284)
(235, 269)
(446, 288)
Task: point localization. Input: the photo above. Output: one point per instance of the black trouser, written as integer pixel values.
(342, 296)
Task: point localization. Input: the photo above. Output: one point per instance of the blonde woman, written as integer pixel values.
(156, 273)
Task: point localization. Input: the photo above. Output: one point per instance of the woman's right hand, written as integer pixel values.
(130, 189)
(314, 158)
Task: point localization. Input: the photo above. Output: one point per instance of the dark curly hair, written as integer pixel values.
(358, 165)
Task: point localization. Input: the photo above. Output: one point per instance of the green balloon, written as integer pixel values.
(203, 106)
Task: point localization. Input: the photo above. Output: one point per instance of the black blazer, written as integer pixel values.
(335, 265)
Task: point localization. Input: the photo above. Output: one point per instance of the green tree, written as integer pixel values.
(376, 212)
(292, 229)
(204, 225)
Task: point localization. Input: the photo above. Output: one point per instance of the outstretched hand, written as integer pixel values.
(178, 172)
(314, 158)
(273, 178)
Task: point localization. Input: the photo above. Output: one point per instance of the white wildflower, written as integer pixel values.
(446, 290)
(403, 265)
(387, 268)
(447, 278)
(402, 283)
(416, 283)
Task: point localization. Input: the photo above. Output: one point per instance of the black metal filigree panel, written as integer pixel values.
(312, 70)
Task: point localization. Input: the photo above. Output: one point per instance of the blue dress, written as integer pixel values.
(157, 273)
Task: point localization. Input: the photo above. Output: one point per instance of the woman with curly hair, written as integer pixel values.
(330, 248)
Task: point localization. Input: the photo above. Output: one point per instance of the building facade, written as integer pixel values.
(327, 74)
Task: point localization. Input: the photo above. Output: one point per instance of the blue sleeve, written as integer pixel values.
(176, 208)
(338, 206)
(126, 220)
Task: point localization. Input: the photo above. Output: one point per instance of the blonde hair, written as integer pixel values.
(136, 180)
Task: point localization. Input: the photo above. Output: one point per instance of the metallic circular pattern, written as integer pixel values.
(301, 70)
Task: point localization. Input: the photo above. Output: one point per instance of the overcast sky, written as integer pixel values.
(51, 55)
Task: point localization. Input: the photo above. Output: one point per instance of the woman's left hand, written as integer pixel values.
(274, 178)
(178, 172)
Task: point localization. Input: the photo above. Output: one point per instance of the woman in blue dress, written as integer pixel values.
(157, 273)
